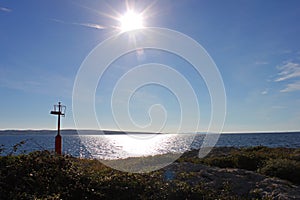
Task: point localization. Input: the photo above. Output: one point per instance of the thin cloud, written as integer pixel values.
(261, 63)
(57, 20)
(288, 71)
(5, 9)
(278, 107)
(12, 79)
(286, 51)
(292, 87)
(266, 91)
(88, 25)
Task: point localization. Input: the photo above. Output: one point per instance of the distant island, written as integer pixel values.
(69, 132)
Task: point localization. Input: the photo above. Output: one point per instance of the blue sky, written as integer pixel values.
(254, 43)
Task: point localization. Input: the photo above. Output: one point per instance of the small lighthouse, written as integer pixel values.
(59, 110)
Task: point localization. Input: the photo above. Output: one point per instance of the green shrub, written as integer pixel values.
(223, 162)
(243, 160)
(44, 175)
(248, 161)
(282, 168)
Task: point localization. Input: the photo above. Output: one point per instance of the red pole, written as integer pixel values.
(58, 136)
(58, 144)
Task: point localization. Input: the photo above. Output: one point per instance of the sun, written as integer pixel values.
(131, 21)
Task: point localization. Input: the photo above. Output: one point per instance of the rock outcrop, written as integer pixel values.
(237, 182)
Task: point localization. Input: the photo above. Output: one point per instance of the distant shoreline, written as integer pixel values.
(109, 132)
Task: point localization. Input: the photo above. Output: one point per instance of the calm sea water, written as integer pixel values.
(123, 146)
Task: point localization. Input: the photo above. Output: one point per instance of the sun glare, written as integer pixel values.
(131, 21)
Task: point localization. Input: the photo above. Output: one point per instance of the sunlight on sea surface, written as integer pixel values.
(122, 146)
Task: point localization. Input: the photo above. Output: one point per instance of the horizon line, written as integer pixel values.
(132, 131)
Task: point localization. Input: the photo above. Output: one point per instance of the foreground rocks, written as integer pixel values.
(237, 182)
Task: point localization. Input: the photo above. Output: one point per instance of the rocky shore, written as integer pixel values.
(238, 182)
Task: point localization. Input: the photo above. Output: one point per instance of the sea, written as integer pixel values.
(110, 146)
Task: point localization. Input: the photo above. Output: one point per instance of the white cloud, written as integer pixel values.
(5, 9)
(288, 71)
(292, 87)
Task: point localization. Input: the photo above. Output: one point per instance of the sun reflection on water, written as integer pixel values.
(124, 146)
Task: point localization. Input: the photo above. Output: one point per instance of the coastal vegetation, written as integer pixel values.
(282, 163)
(226, 173)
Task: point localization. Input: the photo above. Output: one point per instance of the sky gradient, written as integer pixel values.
(255, 45)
